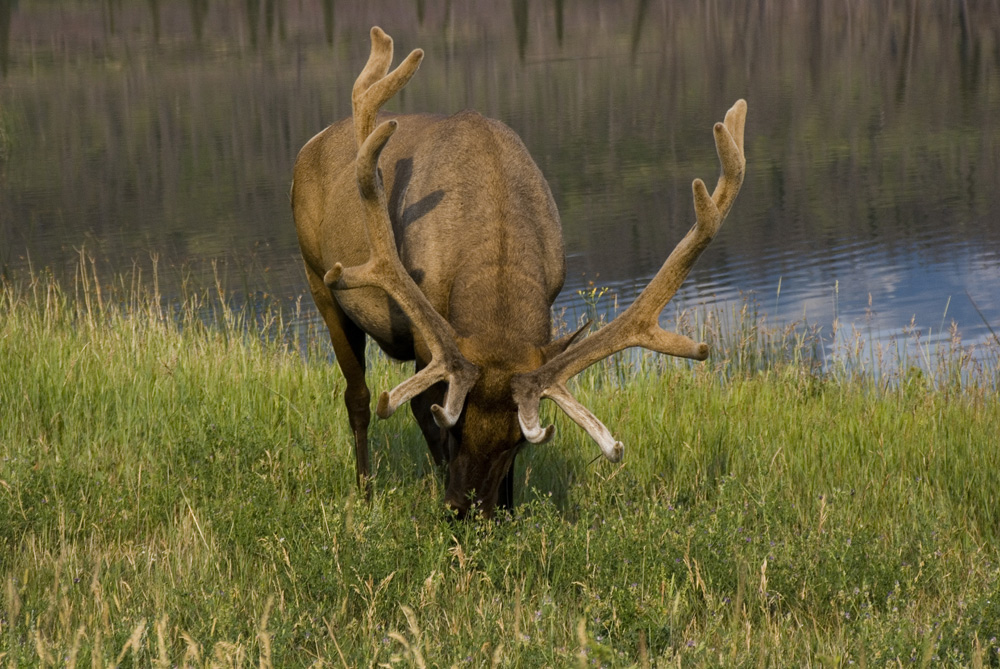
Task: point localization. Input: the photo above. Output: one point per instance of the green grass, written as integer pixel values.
(177, 488)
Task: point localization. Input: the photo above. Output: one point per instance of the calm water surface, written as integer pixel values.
(169, 129)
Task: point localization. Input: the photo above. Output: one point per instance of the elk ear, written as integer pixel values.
(552, 349)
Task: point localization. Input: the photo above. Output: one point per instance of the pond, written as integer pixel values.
(168, 130)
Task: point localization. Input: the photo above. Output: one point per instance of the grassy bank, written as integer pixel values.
(176, 488)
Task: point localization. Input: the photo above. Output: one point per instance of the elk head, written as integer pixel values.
(485, 358)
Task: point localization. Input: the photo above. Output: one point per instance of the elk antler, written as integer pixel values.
(384, 269)
(639, 324)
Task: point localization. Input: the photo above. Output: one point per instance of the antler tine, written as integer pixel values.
(373, 87)
(379, 60)
(639, 324)
(384, 269)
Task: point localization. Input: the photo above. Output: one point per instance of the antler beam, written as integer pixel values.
(639, 324)
(384, 269)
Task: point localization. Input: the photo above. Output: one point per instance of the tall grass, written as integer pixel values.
(176, 488)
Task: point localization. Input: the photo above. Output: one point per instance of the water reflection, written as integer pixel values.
(6, 12)
(874, 155)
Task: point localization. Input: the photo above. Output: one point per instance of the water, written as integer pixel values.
(872, 198)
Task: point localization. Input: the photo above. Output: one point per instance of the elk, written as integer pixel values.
(444, 246)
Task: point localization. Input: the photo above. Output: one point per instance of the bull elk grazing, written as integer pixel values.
(451, 254)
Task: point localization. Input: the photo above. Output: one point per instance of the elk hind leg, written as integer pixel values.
(349, 346)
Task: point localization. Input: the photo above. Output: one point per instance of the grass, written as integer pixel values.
(176, 488)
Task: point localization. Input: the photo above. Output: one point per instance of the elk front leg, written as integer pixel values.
(505, 497)
(435, 435)
(349, 347)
